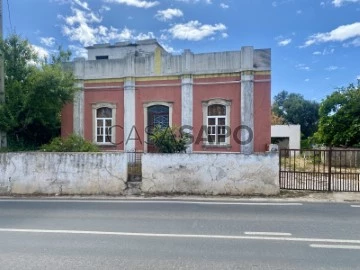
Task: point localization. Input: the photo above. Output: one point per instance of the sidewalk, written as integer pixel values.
(285, 196)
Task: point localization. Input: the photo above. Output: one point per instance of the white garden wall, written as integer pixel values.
(231, 174)
(63, 173)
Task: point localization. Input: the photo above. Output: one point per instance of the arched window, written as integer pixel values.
(216, 119)
(104, 120)
(156, 113)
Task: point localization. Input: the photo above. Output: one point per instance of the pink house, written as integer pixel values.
(223, 98)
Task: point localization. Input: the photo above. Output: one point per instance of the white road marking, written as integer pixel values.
(268, 233)
(355, 206)
(194, 236)
(334, 246)
(157, 202)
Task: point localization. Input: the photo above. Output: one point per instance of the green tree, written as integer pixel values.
(169, 140)
(339, 123)
(35, 92)
(296, 110)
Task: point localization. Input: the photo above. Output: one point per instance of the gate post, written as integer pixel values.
(329, 168)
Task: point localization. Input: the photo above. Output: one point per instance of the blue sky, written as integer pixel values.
(315, 44)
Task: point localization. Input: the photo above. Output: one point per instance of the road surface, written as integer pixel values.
(150, 234)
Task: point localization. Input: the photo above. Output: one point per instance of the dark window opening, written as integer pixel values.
(102, 57)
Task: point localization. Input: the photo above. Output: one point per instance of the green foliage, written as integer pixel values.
(307, 143)
(73, 143)
(296, 110)
(169, 140)
(35, 93)
(339, 123)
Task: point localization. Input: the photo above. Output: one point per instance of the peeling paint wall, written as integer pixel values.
(230, 174)
(63, 173)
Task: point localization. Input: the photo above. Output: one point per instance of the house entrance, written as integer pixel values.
(158, 116)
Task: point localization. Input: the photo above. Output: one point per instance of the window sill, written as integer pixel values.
(105, 144)
(217, 146)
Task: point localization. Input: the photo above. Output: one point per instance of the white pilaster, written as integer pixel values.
(129, 114)
(247, 100)
(187, 105)
(78, 116)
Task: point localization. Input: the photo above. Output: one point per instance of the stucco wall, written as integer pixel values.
(292, 132)
(62, 173)
(231, 174)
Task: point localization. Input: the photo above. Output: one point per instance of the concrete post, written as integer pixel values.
(78, 116)
(129, 113)
(247, 100)
(187, 106)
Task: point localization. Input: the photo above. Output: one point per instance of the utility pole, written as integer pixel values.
(3, 140)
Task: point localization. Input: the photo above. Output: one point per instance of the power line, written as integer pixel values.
(8, 8)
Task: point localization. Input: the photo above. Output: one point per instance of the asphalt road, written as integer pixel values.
(53, 234)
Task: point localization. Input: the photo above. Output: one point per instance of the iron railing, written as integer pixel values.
(134, 166)
(331, 169)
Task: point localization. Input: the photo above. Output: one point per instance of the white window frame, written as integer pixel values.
(205, 105)
(97, 106)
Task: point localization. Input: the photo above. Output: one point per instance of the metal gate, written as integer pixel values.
(330, 169)
(134, 166)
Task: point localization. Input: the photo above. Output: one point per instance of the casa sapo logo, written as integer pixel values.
(242, 135)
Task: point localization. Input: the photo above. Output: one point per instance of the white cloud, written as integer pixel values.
(170, 49)
(358, 77)
(341, 33)
(168, 14)
(284, 42)
(326, 51)
(143, 36)
(78, 51)
(339, 3)
(135, 3)
(332, 68)
(355, 43)
(195, 31)
(299, 11)
(225, 35)
(195, 1)
(84, 4)
(224, 6)
(281, 2)
(47, 41)
(40, 51)
(104, 8)
(84, 27)
(307, 80)
(302, 67)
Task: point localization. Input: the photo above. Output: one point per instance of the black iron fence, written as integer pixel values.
(134, 166)
(330, 169)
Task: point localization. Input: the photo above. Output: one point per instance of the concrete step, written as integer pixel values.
(133, 188)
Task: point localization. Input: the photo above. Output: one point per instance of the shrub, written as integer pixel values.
(73, 143)
(169, 140)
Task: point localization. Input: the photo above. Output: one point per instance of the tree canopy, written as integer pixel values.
(35, 92)
(296, 110)
(339, 123)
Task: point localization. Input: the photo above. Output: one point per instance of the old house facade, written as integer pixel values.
(223, 98)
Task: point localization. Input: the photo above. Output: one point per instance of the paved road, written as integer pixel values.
(53, 234)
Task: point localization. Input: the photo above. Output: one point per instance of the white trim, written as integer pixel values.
(146, 105)
(94, 118)
(205, 105)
